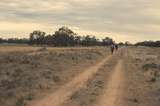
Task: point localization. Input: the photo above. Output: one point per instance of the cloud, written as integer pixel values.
(131, 20)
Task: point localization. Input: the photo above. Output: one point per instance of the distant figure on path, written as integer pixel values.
(112, 48)
(116, 47)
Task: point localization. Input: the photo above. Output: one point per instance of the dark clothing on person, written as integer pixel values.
(116, 47)
(112, 48)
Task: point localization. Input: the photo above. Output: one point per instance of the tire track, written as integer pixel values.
(112, 95)
(61, 95)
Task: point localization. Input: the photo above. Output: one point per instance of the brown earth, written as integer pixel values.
(30, 74)
(80, 77)
(114, 90)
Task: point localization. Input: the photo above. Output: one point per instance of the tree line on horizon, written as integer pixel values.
(66, 37)
(63, 37)
(149, 43)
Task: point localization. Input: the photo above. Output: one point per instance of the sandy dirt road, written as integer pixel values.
(114, 89)
(61, 95)
(86, 77)
(124, 84)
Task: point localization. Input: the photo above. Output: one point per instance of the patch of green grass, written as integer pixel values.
(151, 66)
(20, 102)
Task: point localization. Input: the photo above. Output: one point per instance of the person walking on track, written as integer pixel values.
(112, 48)
(116, 46)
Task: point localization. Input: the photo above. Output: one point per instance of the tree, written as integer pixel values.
(89, 40)
(37, 37)
(1, 40)
(149, 43)
(78, 40)
(127, 43)
(49, 40)
(107, 41)
(121, 43)
(64, 37)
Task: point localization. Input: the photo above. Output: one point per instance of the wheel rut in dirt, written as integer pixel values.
(112, 94)
(61, 95)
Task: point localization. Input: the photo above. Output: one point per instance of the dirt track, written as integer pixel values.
(86, 77)
(114, 90)
(112, 82)
(110, 96)
(56, 99)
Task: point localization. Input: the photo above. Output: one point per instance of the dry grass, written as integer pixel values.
(27, 71)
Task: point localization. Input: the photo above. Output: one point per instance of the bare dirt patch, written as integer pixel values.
(87, 96)
(112, 95)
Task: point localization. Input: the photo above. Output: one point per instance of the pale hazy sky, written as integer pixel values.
(132, 20)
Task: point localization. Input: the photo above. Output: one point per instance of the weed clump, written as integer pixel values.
(152, 70)
(151, 66)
